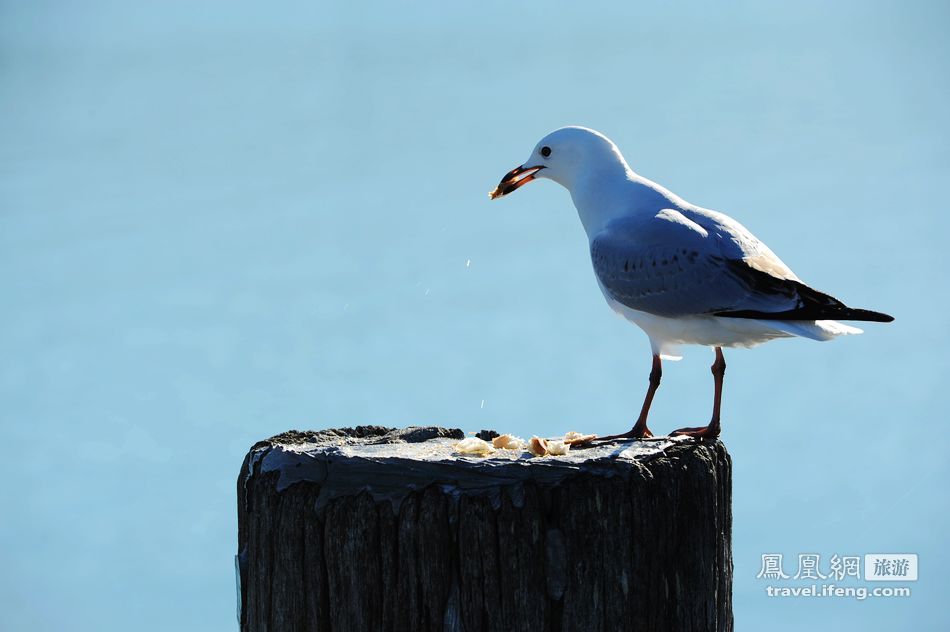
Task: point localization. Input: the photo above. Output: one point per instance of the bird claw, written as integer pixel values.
(698, 432)
(635, 433)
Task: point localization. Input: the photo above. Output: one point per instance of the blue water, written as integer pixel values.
(219, 222)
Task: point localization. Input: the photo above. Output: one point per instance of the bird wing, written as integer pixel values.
(735, 241)
(682, 262)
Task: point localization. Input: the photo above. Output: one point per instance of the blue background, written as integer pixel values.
(220, 221)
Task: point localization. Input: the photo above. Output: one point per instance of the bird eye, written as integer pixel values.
(545, 151)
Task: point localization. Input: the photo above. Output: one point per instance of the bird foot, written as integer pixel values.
(636, 433)
(700, 432)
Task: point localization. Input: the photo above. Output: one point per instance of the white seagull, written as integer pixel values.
(683, 274)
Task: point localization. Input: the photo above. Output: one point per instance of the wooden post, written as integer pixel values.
(382, 529)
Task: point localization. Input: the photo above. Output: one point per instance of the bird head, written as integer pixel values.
(563, 156)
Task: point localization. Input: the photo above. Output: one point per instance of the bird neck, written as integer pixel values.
(603, 196)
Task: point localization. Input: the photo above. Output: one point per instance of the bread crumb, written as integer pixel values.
(509, 442)
(537, 446)
(474, 445)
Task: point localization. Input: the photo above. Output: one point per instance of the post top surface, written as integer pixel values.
(390, 463)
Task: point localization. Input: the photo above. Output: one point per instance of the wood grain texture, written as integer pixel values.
(648, 549)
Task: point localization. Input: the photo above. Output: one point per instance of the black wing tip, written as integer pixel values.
(813, 304)
(868, 316)
(846, 313)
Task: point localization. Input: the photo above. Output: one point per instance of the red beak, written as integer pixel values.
(517, 177)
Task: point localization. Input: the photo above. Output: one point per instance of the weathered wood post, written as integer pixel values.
(381, 529)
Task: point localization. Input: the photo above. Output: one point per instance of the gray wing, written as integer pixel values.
(671, 265)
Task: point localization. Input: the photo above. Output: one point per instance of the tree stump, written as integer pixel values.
(382, 529)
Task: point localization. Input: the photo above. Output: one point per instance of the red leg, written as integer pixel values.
(640, 430)
(710, 431)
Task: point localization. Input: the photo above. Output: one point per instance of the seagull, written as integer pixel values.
(682, 273)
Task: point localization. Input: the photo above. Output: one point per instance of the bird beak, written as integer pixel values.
(517, 177)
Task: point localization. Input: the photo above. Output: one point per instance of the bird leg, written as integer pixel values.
(710, 431)
(640, 430)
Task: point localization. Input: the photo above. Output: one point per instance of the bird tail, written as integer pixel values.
(820, 330)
